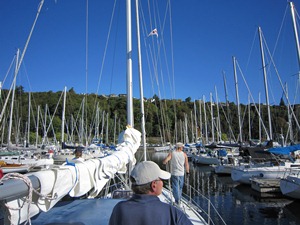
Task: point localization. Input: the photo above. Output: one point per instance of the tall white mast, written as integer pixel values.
(196, 125)
(227, 104)
(28, 127)
(295, 31)
(249, 117)
(13, 99)
(237, 99)
(265, 82)
(37, 127)
(219, 132)
(298, 51)
(130, 120)
(212, 119)
(205, 120)
(63, 117)
(141, 78)
(200, 120)
(259, 121)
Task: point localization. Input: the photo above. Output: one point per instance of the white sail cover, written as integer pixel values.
(76, 179)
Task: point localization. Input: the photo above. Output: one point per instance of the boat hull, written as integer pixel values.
(290, 186)
(244, 175)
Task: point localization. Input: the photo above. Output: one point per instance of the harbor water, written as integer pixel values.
(236, 203)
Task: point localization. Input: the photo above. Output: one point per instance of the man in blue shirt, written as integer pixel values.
(145, 208)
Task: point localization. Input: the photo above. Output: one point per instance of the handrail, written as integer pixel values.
(207, 212)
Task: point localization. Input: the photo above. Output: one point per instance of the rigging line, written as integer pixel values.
(162, 43)
(280, 30)
(145, 32)
(282, 86)
(157, 56)
(29, 36)
(251, 97)
(114, 52)
(154, 63)
(252, 47)
(62, 93)
(86, 45)
(159, 44)
(104, 54)
(25, 47)
(152, 53)
(9, 68)
(107, 39)
(296, 12)
(268, 68)
(226, 118)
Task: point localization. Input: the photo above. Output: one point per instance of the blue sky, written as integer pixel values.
(192, 55)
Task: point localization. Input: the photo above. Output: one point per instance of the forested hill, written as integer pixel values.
(90, 115)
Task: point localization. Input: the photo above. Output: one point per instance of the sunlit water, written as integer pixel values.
(238, 204)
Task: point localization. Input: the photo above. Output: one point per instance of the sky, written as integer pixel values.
(79, 44)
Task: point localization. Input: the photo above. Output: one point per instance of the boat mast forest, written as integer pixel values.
(111, 118)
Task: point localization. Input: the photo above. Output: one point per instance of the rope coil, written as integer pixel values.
(28, 198)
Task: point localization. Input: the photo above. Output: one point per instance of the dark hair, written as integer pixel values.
(140, 189)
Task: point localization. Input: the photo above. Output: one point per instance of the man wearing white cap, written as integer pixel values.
(145, 208)
(179, 160)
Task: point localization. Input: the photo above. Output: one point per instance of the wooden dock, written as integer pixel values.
(265, 185)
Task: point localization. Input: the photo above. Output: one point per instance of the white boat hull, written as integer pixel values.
(223, 169)
(290, 186)
(205, 160)
(244, 174)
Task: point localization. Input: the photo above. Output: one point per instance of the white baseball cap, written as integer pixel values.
(179, 144)
(147, 171)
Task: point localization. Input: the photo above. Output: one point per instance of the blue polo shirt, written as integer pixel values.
(147, 210)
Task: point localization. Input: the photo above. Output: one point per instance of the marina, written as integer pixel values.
(87, 144)
(239, 203)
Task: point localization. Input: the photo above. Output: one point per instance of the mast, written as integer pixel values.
(13, 99)
(205, 120)
(259, 121)
(28, 127)
(130, 120)
(186, 129)
(37, 126)
(295, 31)
(249, 117)
(200, 120)
(265, 82)
(212, 119)
(237, 99)
(63, 117)
(192, 129)
(290, 120)
(141, 78)
(298, 52)
(227, 104)
(106, 132)
(196, 125)
(219, 132)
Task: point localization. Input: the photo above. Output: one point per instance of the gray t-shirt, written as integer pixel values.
(177, 163)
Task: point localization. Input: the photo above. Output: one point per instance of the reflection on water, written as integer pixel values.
(238, 204)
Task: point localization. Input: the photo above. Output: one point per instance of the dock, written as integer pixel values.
(265, 185)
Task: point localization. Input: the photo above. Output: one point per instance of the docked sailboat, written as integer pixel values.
(290, 185)
(274, 163)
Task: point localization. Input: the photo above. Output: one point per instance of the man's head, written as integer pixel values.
(78, 152)
(179, 145)
(147, 177)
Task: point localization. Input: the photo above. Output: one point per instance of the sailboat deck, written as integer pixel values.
(86, 211)
(81, 211)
